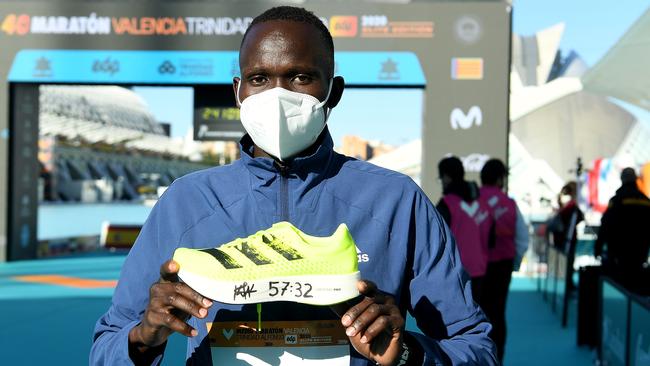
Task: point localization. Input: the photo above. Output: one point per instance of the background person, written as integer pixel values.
(287, 56)
(623, 238)
(563, 226)
(506, 249)
(468, 219)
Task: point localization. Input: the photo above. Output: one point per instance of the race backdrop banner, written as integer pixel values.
(446, 66)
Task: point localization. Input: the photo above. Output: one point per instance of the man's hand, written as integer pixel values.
(375, 326)
(170, 304)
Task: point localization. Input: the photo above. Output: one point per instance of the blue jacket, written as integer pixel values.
(407, 250)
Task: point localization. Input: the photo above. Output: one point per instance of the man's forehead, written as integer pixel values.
(282, 32)
(280, 43)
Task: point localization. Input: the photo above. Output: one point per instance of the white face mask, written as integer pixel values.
(281, 122)
(564, 199)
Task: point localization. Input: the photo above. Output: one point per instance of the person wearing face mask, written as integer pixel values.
(563, 225)
(288, 171)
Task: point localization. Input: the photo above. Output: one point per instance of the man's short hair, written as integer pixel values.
(452, 167)
(628, 175)
(492, 171)
(296, 14)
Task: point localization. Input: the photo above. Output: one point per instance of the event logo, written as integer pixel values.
(228, 333)
(458, 118)
(379, 26)
(474, 162)
(167, 67)
(37, 24)
(344, 26)
(389, 70)
(16, 24)
(468, 29)
(169, 26)
(470, 209)
(467, 68)
(149, 26)
(107, 66)
(91, 24)
(43, 68)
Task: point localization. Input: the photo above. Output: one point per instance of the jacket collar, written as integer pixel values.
(316, 161)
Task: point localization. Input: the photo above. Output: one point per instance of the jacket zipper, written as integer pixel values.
(284, 191)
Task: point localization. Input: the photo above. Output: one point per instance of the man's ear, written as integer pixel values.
(235, 85)
(338, 84)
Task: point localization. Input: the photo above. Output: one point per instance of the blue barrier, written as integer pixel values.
(625, 326)
(639, 337)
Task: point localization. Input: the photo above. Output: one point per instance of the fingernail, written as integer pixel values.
(207, 302)
(350, 331)
(203, 312)
(346, 320)
(194, 333)
(364, 339)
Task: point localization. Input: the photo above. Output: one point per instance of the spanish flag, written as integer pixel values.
(467, 68)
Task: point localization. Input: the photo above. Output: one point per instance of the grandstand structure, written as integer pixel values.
(101, 144)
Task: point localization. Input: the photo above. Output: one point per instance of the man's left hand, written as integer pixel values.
(375, 326)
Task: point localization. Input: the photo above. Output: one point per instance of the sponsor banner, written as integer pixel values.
(380, 26)
(194, 67)
(277, 334)
(94, 24)
(366, 26)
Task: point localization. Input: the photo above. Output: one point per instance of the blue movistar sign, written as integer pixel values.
(194, 67)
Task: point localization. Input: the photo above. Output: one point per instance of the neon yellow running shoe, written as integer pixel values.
(277, 264)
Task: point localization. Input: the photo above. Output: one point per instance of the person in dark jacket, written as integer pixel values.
(288, 171)
(468, 218)
(623, 238)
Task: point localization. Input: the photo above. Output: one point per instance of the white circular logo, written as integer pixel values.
(468, 29)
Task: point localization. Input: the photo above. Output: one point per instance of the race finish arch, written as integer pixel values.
(456, 53)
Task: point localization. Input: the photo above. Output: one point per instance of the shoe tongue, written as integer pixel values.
(287, 229)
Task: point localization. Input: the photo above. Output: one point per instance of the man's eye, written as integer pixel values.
(302, 79)
(257, 80)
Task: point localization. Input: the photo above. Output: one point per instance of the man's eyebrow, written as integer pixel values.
(293, 70)
(254, 70)
(299, 69)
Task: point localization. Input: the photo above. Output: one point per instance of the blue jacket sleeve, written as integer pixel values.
(155, 245)
(455, 328)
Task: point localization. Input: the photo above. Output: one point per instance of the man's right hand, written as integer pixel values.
(171, 303)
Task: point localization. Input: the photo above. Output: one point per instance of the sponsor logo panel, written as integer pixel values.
(344, 26)
(461, 120)
(467, 68)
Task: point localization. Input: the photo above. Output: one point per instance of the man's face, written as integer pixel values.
(286, 54)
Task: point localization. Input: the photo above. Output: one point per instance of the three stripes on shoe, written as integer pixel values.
(253, 254)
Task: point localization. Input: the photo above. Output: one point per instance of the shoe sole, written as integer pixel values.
(310, 289)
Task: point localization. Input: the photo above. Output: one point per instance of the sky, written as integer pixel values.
(173, 105)
(591, 29)
(591, 26)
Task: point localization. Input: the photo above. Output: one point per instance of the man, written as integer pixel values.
(468, 219)
(506, 249)
(624, 233)
(287, 59)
